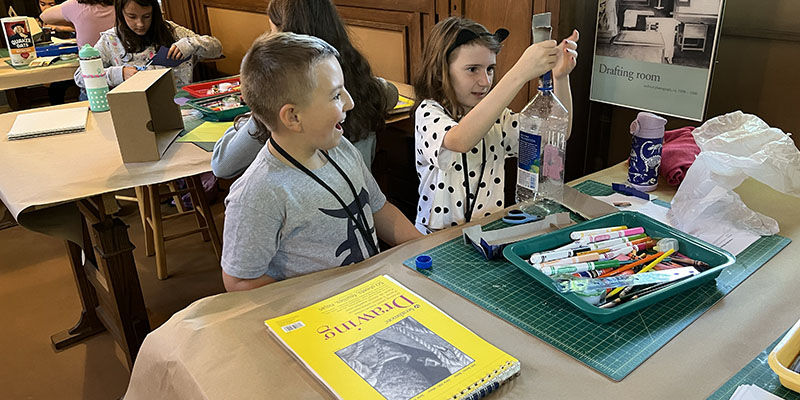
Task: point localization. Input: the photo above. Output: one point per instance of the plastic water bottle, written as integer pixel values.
(94, 78)
(544, 123)
(645, 159)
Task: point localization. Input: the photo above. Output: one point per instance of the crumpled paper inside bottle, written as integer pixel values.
(733, 147)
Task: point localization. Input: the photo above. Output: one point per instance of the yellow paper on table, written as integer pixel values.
(380, 340)
(206, 132)
(403, 104)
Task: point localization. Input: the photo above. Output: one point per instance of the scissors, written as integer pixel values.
(517, 217)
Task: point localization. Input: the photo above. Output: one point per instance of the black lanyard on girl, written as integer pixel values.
(361, 221)
(467, 208)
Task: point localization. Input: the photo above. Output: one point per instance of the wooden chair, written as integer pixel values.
(150, 197)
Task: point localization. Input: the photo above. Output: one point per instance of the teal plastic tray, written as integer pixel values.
(224, 115)
(690, 246)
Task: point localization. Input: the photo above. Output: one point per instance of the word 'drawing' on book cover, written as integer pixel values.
(380, 340)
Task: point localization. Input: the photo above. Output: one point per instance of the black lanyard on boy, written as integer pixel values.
(467, 208)
(361, 221)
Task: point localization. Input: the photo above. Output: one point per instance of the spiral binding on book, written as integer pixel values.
(490, 383)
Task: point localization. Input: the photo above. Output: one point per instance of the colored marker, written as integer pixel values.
(631, 265)
(630, 241)
(580, 267)
(568, 261)
(591, 274)
(556, 254)
(647, 268)
(601, 244)
(620, 282)
(579, 234)
(629, 191)
(610, 235)
(626, 250)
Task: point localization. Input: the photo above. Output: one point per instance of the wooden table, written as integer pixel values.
(54, 185)
(12, 79)
(218, 347)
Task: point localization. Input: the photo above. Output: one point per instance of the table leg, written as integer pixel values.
(18, 99)
(88, 324)
(108, 283)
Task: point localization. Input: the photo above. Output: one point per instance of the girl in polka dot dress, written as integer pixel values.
(139, 31)
(464, 131)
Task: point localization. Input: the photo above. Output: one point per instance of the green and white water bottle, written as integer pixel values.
(94, 78)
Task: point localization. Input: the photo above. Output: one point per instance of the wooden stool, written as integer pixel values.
(152, 220)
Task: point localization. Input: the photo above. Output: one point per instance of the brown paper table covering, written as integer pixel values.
(218, 347)
(53, 169)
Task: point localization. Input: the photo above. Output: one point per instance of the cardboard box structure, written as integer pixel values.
(146, 119)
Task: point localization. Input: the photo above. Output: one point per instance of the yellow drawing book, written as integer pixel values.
(380, 340)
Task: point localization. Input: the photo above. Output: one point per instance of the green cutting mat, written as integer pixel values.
(56, 62)
(614, 349)
(758, 373)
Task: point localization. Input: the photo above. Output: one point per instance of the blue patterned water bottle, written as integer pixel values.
(94, 78)
(648, 137)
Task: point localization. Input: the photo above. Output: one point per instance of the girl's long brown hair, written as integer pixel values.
(159, 34)
(433, 79)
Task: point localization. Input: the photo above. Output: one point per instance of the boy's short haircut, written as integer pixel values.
(278, 70)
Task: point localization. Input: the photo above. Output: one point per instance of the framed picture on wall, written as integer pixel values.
(656, 55)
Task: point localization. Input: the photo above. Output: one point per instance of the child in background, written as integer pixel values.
(307, 202)
(89, 17)
(59, 29)
(139, 32)
(464, 131)
(373, 96)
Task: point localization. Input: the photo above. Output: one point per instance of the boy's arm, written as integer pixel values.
(233, 284)
(392, 226)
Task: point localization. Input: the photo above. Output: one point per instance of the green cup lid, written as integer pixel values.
(87, 51)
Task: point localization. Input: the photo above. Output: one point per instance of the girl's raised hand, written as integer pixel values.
(174, 53)
(537, 59)
(567, 56)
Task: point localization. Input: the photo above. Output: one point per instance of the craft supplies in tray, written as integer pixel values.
(785, 359)
(223, 107)
(213, 88)
(694, 249)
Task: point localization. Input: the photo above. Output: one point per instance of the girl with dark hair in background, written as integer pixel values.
(372, 96)
(59, 29)
(139, 32)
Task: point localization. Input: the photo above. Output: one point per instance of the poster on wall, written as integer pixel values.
(656, 55)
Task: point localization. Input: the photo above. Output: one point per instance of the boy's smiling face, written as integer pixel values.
(327, 107)
(472, 73)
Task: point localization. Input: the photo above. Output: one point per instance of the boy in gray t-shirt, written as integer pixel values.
(307, 202)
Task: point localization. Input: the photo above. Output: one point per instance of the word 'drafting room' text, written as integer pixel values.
(629, 74)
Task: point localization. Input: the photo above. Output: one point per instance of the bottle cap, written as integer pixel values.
(87, 52)
(423, 261)
(648, 125)
(666, 244)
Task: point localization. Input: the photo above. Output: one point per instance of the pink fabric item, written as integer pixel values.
(678, 154)
(89, 20)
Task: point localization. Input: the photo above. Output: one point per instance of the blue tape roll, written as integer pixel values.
(423, 261)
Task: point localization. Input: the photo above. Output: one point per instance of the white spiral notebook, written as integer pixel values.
(50, 122)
